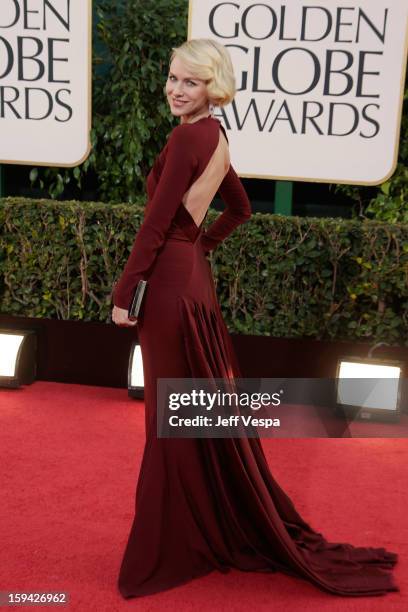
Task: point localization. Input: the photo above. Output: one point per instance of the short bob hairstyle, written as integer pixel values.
(210, 61)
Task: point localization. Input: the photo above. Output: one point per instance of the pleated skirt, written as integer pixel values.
(205, 504)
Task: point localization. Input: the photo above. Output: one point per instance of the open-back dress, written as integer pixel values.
(205, 504)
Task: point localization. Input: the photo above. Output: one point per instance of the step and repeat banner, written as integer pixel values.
(319, 85)
(45, 81)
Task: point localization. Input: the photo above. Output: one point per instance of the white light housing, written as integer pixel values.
(135, 372)
(370, 388)
(17, 357)
(9, 347)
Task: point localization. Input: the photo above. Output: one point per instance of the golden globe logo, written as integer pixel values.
(45, 81)
(319, 85)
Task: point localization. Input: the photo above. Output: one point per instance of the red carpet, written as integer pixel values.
(70, 456)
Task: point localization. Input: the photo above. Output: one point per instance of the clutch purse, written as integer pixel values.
(136, 302)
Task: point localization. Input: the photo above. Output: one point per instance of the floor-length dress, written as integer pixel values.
(209, 503)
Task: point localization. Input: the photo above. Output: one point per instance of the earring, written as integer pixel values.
(211, 109)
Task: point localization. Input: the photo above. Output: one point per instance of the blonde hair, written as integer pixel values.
(210, 61)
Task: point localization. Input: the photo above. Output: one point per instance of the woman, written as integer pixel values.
(208, 503)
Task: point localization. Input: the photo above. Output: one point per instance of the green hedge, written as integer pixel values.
(278, 276)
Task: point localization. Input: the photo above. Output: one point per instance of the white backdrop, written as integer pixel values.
(320, 85)
(45, 81)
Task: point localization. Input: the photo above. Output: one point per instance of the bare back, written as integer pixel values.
(201, 193)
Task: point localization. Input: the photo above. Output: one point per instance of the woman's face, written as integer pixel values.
(186, 94)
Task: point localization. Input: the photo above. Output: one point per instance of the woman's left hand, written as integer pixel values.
(120, 317)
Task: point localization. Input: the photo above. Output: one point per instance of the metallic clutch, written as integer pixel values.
(136, 303)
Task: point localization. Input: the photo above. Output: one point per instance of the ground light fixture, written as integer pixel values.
(135, 372)
(18, 363)
(368, 388)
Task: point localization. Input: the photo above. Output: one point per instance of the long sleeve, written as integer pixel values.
(179, 167)
(238, 210)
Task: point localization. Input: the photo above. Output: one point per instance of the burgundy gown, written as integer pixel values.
(205, 504)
